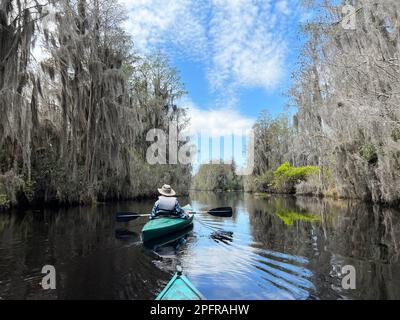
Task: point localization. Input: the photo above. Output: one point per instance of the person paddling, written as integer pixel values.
(167, 204)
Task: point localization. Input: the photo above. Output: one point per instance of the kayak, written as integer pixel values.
(180, 288)
(163, 226)
(169, 240)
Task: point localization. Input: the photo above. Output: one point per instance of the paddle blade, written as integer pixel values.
(221, 212)
(127, 216)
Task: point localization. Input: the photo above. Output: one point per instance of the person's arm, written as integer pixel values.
(154, 210)
(179, 210)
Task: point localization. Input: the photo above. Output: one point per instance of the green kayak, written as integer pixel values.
(163, 226)
(180, 288)
(169, 239)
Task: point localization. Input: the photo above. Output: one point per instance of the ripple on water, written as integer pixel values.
(229, 264)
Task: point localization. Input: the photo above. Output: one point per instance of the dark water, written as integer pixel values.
(275, 248)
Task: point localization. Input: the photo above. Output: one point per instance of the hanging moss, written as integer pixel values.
(217, 177)
(396, 135)
(67, 129)
(5, 203)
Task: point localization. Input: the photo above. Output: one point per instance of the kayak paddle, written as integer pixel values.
(219, 212)
(127, 216)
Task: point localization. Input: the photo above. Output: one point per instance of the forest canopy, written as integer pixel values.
(217, 177)
(73, 124)
(347, 98)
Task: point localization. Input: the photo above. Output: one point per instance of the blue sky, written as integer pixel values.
(234, 56)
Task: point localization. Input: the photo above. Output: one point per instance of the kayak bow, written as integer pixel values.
(180, 288)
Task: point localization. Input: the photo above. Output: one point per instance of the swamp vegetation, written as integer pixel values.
(76, 104)
(73, 124)
(347, 119)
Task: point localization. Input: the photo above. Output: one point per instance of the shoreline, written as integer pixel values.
(264, 195)
(258, 195)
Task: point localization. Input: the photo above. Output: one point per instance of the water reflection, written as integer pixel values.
(125, 234)
(273, 248)
(228, 264)
(80, 242)
(341, 233)
(172, 242)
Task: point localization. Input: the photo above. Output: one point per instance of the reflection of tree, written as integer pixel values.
(270, 230)
(370, 232)
(217, 199)
(288, 215)
(341, 232)
(80, 242)
(206, 200)
(92, 263)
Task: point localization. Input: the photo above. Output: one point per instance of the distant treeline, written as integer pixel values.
(73, 125)
(347, 94)
(217, 177)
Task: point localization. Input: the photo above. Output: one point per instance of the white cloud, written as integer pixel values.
(241, 42)
(247, 53)
(283, 6)
(158, 23)
(216, 122)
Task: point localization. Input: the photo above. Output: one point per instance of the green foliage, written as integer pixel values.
(369, 153)
(286, 177)
(273, 138)
(265, 180)
(217, 177)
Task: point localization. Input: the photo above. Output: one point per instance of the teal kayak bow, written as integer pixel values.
(180, 288)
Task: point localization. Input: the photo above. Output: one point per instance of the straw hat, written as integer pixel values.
(166, 190)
